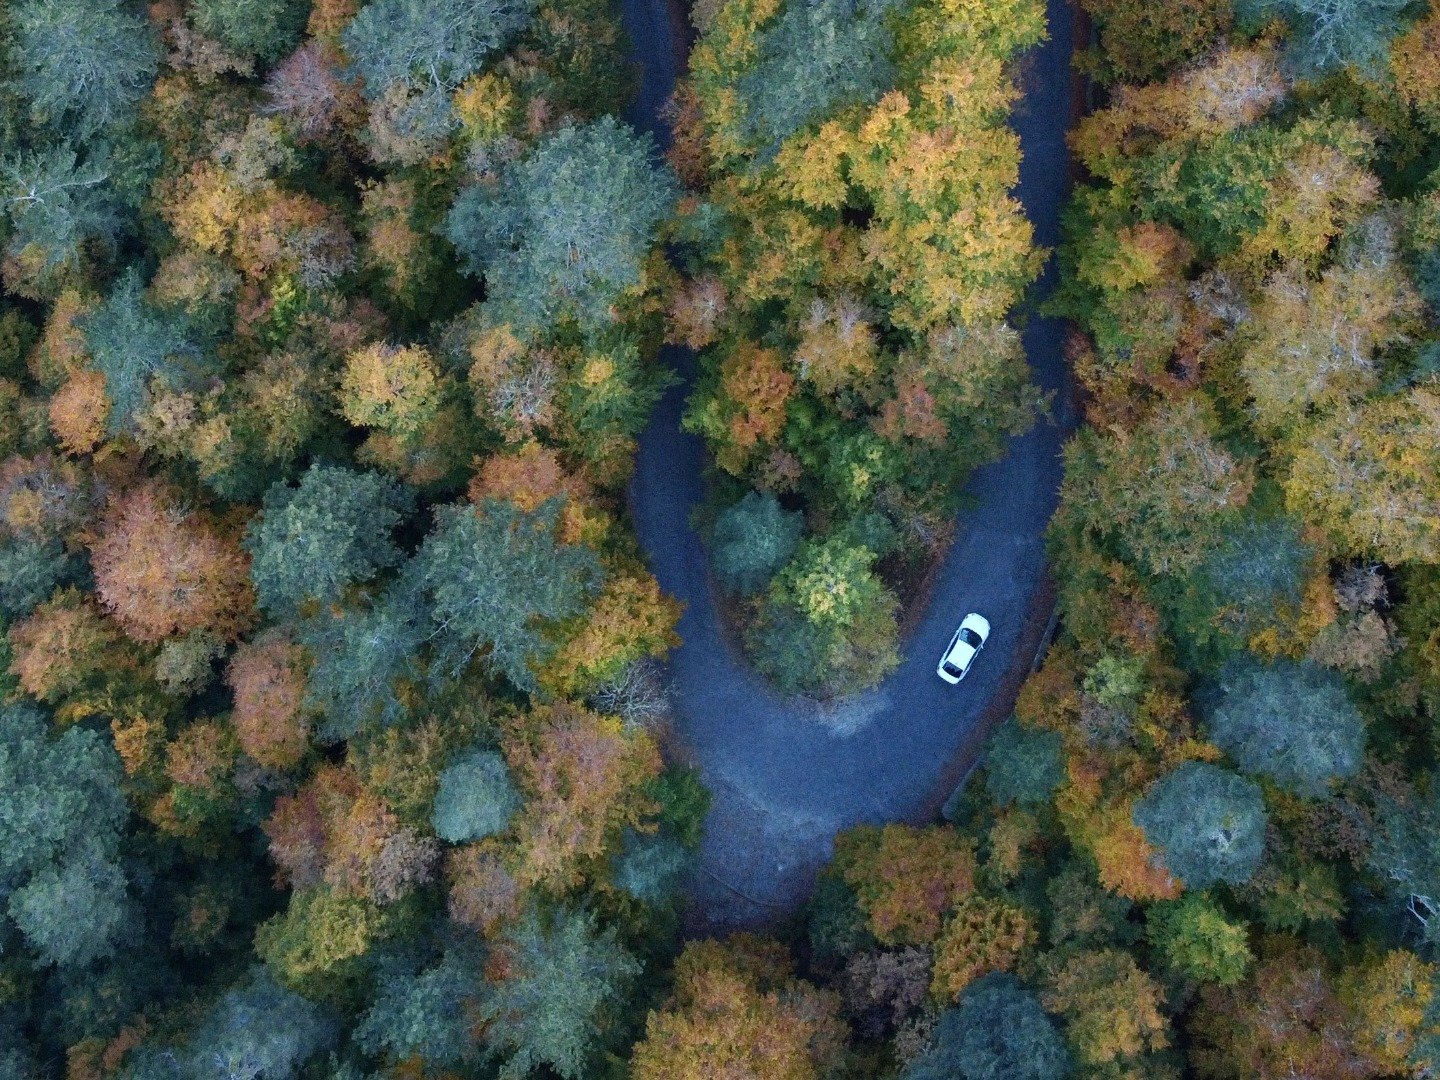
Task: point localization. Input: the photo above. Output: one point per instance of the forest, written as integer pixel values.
(334, 718)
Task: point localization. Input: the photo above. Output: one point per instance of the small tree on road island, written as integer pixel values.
(754, 538)
(1208, 822)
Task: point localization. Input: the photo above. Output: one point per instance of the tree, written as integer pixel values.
(332, 530)
(1316, 345)
(1292, 722)
(57, 200)
(649, 868)
(495, 578)
(565, 233)
(267, 678)
(136, 347)
(997, 1030)
(161, 573)
(59, 836)
(358, 655)
(1208, 823)
(30, 570)
(812, 61)
(259, 1029)
(1371, 475)
(736, 1010)
(1111, 1007)
(322, 936)
(263, 30)
(1023, 764)
(1164, 489)
(426, 1015)
(475, 798)
(73, 912)
(906, 879)
(557, 979)
(84, 64)
(1257, 570)
(392, 389)
(1326, 35)
(426, 47)
(1195, 939)
(980, 936)
(1285, 1021)
(584, 780)
(753, 539)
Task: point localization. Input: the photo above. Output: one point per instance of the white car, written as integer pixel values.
(963, 648)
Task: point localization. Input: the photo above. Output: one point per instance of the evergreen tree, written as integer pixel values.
(565, 233)
(331, 530)
(998, 1031)
(754, 538)
(562, 976)
(1208, 823)
(1293, 722)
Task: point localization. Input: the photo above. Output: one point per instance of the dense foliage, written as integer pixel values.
(852, 254)
(315, 576)
(1204, 845)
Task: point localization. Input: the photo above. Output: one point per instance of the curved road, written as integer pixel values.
(786, 775)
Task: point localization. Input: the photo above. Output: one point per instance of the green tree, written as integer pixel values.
(429, 47)
(1195, 939)
(565, 232)
(476, 798)
(562, 976)
(263, 30)
(134, 344)
(997, 1031)
(1208, 822)
(60, 826)
(359, 654)
(333, 529)
(259, 1029)
(73, 911)
(30, 570)
(812, 61)
(495, 577)
(57, 200)
(1404, 851)
(1326, 35)
(424, 1015)
(84, 64)
(1293, 722)
(1023, 765)
(1165, 489)
(649, 867)
(1258, 567)
(754, 538)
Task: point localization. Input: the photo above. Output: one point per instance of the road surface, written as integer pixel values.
(787, 776)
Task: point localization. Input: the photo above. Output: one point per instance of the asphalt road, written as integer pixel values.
(788, 775)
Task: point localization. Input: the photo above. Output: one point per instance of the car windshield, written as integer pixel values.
(969, 637)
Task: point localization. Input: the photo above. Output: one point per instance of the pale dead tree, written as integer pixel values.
(638, 696)
(1235, 87)
(306, 90)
